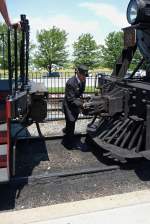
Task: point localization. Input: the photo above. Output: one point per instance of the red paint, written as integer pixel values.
(3, 161)
(8, 119)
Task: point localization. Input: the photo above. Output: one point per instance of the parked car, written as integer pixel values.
(139, 74)
(51, 75)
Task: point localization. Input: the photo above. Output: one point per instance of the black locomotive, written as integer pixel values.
(121, 124)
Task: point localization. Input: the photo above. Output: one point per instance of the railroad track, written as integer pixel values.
(57, 175)
(60, 162)
(45, 158)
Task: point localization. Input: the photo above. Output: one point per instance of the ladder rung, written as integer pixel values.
(3, 127)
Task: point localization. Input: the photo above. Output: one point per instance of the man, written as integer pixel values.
(4, 12)
(73, 104)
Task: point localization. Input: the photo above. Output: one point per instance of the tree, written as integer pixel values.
(3, 46)
(112, 49)
(86, 51)
(136, 59)
(51, 48)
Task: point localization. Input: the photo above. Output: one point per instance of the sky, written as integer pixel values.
(98, 17)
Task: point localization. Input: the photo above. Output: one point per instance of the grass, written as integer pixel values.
(54, 90)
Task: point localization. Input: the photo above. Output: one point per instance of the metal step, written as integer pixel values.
(3, 149)
(4, 175)
(3, 133)
(3, 127)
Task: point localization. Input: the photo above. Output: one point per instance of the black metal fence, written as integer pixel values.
(14, 66)
(55, 85)
(56, 88)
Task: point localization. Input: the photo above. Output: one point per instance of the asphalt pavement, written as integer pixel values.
(132, 208)
(37, 160)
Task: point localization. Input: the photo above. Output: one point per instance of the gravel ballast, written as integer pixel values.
(55, 127)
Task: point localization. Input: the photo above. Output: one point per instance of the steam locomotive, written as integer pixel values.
(121, 123)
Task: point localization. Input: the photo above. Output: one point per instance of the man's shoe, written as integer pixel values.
(85, 148)
(72, 146)
(81, 146)
(78, 146)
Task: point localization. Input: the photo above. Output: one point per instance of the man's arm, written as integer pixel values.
(4, 12)
(70, 96)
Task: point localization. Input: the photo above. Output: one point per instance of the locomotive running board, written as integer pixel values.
(117, 152)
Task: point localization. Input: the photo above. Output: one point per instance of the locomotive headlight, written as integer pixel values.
(138, 11)
(132, 11)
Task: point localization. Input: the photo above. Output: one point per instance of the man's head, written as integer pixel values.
(82, 72)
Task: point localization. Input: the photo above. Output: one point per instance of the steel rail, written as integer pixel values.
(63, 174)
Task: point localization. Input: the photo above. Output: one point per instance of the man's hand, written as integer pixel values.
(85, 108)
(86, 105)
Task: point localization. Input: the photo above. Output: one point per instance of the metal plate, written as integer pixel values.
(129, 37)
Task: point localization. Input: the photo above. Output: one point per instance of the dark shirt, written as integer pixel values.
(73, 93)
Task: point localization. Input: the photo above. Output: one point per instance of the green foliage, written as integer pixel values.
(51, 48)
(136, 59)
(32, 48)
(3, 46)
(112, 49)
(86, 51)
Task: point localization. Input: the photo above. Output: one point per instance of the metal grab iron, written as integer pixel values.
(24, 95)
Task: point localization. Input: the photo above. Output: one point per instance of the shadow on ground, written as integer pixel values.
(25, 153)
(38, 157)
